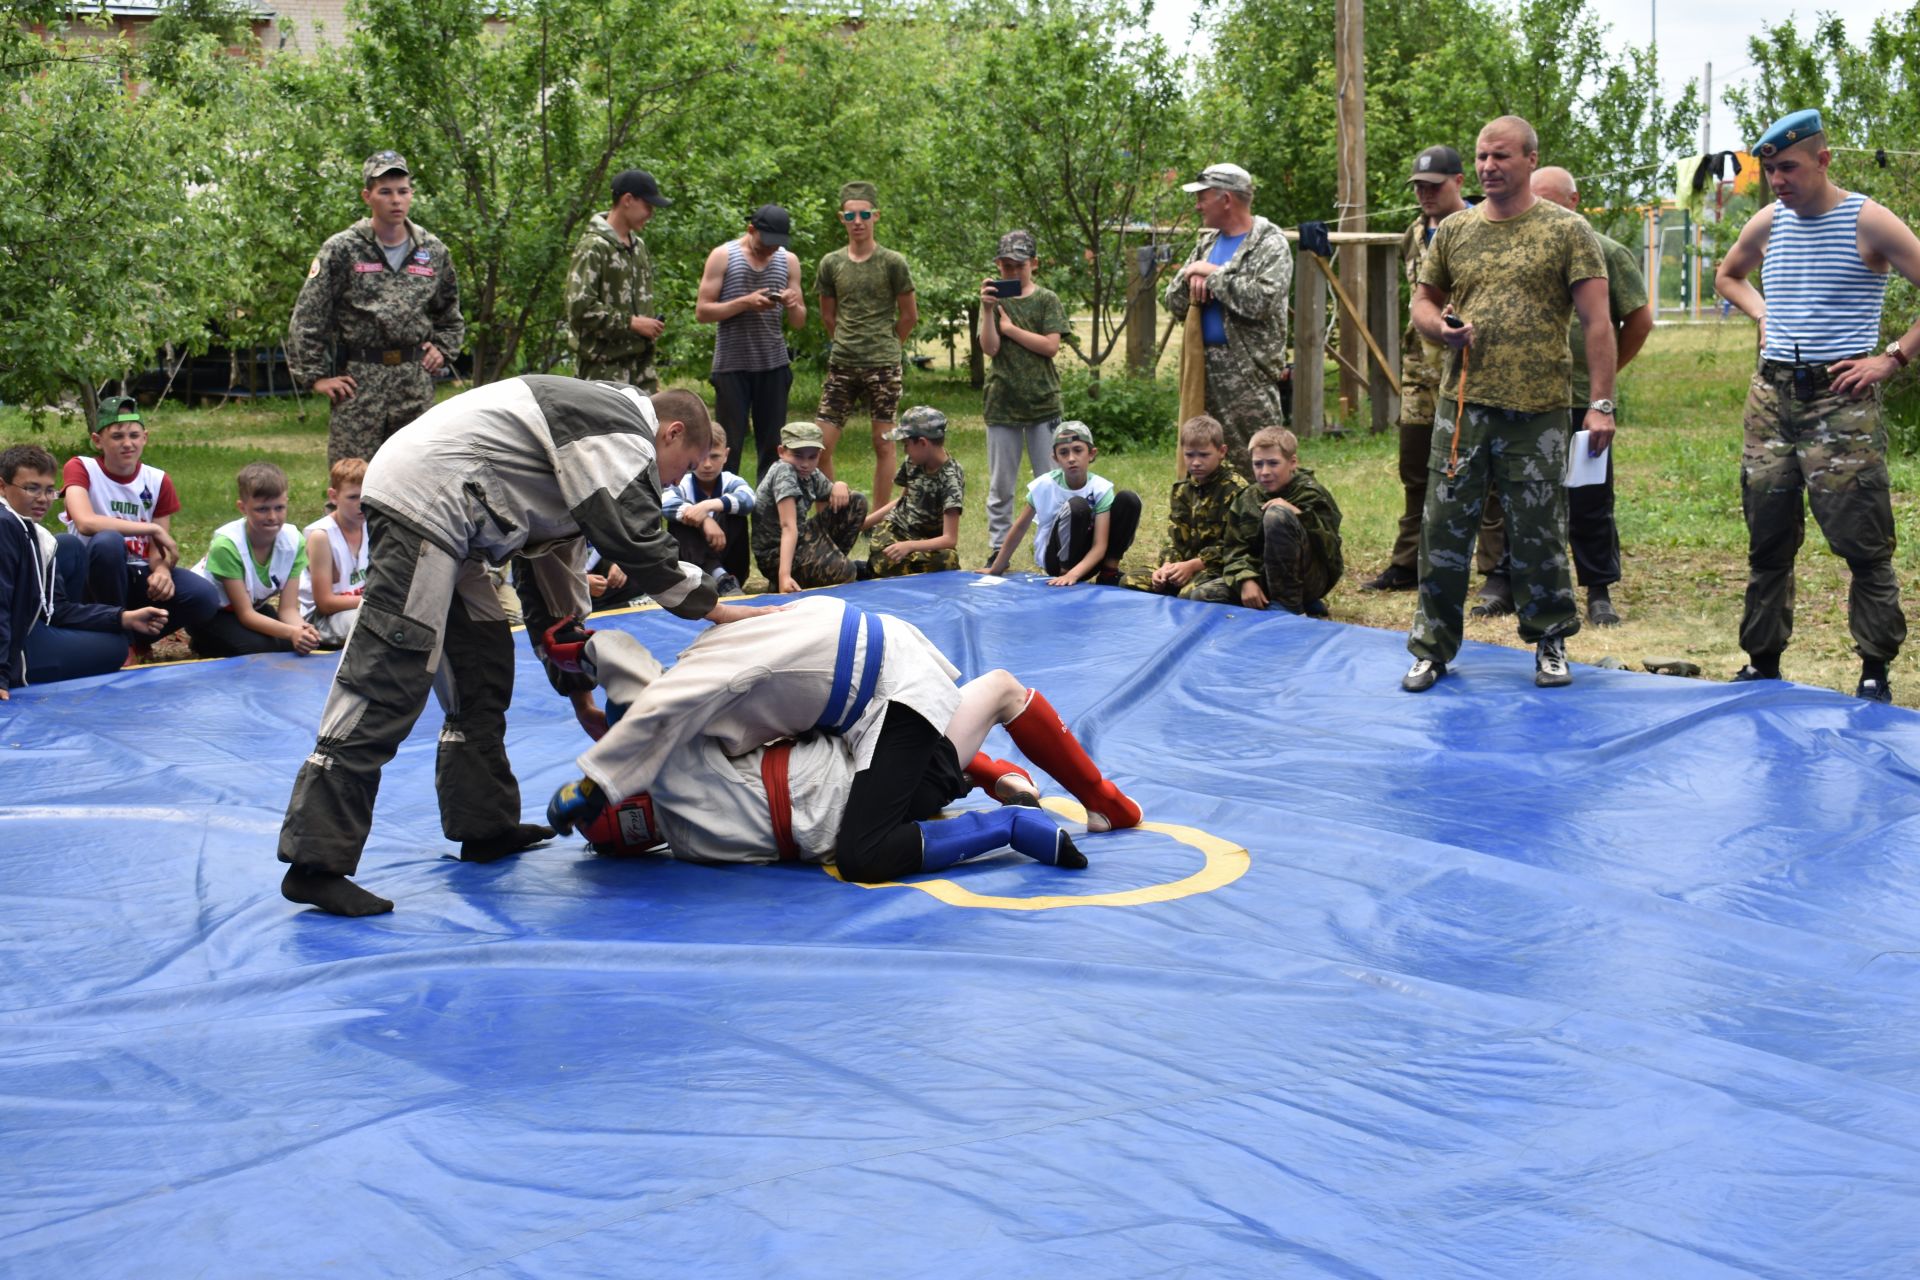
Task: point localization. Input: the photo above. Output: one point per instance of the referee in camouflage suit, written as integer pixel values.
(378, 316)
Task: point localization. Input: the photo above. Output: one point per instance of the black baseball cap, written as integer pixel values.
(1436, 164)
(773, 224)
(638, 182)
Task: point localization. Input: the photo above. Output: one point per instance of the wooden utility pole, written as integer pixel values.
(1350, 71)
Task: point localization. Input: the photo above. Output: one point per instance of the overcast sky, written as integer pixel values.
(1691, 34)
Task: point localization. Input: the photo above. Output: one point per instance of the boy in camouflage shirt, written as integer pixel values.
(610, 322)
(1195, 554)
(1283, 532)
(794, 549)
(919, 530)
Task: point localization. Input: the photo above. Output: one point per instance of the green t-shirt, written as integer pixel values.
(223, 561)
(1513, 281)
(1626, 294)
(1023, 387)
(866, 297)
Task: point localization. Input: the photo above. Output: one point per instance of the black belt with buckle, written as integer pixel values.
(1805, 380)
(384, 355)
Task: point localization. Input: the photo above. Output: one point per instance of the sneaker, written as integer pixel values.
(1392, 578)
(1317, 609)
(728, 584)
(1873, 690)
(1110, 578)
(1750, 673)
(1422, 675)
(1550, 669)
(1495, 599)
(1600, 610)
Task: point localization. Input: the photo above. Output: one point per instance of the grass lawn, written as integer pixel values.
(1677, 472)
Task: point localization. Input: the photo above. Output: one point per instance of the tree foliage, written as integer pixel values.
(1436, 71)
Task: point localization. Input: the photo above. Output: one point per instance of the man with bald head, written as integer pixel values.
(1498, 287)
(1813, 408)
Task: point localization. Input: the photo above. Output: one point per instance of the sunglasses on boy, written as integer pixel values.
(864, 215)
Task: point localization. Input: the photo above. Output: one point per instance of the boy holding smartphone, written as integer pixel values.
(1021, 326)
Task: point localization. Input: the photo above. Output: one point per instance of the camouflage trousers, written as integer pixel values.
(1417, 408)
(1294, 573)
(635, 371)
(428, 622)
(385, 399)
(1214, 590)
(1833, 448)
(1526, 456)
(918, 562)
(820, 551)
(1244, 400)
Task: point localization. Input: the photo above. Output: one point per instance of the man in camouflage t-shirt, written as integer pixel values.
(1498, 287)
(610, 320)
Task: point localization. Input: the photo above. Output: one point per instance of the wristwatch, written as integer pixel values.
(1900, 357)
(1600, 406)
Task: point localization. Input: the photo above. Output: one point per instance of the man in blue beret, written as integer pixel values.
(1813, 409)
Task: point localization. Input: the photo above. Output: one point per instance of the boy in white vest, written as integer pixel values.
(122, 508)
(254, 560)
(336, 575)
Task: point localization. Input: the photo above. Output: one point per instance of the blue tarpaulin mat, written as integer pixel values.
(1615, 980)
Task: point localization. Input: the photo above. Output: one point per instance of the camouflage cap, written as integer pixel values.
(923, 422)
(860, 191)
(381, 163)
(1221, 177)
(116, 409)
(1017, 246)
(1073, 429)
(802, 435)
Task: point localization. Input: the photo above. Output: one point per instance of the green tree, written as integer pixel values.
(1075, 122)
(1436, 71)
(112, 242)
(515, 131)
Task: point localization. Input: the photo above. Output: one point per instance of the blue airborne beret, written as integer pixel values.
(1786, 131)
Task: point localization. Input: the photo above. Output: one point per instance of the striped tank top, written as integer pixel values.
(1823, 302)
(751, 342)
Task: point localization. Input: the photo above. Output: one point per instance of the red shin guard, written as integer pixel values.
(1043, 735)
(987, 774)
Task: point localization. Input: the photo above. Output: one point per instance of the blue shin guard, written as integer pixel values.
(946, 841)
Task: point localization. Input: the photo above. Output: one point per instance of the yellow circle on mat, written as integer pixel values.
(1225, 863)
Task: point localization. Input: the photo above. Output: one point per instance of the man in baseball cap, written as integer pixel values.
(610, 320)
(1240, 275)
(1436, 180)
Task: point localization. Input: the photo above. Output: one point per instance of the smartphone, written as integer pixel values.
(1004, 288)
(1454, 321)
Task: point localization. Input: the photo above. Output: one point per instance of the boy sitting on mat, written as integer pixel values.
(1283, 532)
(1082, 525)
(1194, 560)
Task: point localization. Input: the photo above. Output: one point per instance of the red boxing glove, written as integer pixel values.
(624, 829)
(565, 643)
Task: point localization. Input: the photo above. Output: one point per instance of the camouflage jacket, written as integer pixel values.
(1255, 288)
(1197, 519)
(1319, 513)
(608, 283)
(925, 498)
(1421, 362)
(352, 297)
